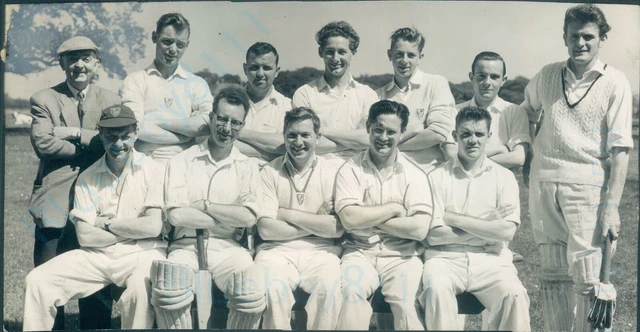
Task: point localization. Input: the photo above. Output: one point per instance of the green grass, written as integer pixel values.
(21, 166)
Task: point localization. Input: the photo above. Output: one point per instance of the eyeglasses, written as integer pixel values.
(222, 121)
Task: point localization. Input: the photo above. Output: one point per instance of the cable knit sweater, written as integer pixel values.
(573, 144)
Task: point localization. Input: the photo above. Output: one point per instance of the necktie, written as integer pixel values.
(80, 106)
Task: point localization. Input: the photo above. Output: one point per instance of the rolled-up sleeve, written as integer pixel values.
(176, 191)
(348, 191)
(249, 174)
(619, 115)
(201, 98)
(268, 203)
(418, 194)
(85, 202)
(517, 126)
(437, 199)
(532, 105)
(154, 177)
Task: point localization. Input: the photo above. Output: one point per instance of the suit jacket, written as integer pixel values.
(61, 161)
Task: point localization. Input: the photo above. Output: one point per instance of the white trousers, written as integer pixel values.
(363, 272)
(492, 279)
(317, 272)
(82, 272)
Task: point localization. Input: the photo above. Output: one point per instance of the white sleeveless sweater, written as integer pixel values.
(571, 144)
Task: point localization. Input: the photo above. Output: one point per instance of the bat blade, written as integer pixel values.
(204, 299)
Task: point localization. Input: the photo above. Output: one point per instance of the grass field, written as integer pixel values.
(21, 166)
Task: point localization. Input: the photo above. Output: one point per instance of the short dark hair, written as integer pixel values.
(338, 29)
(176, 20)
(300, 114)
(234, 95)
(262, 48)
(411, 35)
(389, 107)
(473, 113)
(487, 55)
(586, 14)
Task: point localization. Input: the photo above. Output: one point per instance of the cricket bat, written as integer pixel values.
(204, 294)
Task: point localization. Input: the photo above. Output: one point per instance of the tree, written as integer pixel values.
(375, 81)
(36, 31)
(288, 81)
(462, 91)
(212, 79)
(513, 90)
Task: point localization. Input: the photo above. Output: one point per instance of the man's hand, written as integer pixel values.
(501, 212)
(399, 210)
(66, 133)
(609, 222)
(326, 208)
(494, 149)
(100, 222)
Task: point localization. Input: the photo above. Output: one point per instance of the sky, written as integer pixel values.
(528, 35)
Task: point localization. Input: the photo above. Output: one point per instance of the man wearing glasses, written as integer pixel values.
(211, 186)
(171, 103)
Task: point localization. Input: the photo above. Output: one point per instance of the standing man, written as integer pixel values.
(476, 211)
(579, 167)
(211, 186)
(509, 130)
(64, 137)
(428, 97)
(172, 104)
(384, 203)
(300, 228)
(341, 103)
(118, 217)
(261, 136)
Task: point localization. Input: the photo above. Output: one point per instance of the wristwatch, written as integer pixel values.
(106, 224)
(207, 203)
(78, 133)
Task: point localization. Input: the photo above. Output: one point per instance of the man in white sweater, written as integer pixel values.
(579, 167)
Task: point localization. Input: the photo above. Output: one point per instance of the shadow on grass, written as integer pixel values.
(70, 321)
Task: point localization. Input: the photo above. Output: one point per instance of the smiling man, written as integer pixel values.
(64, 137)
(118, 218)
(261, 136)
(383, 201)
(299, 228)
(428, 97)
(476, 211)
(172, 104)
(211, 186)
(341, 103)
(579, 166)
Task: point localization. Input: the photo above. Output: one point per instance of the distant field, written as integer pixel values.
(20, 170)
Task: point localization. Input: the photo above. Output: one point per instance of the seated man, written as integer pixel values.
(118, 218)
(510, 137)
(384, 202)
(172, 104)
(211, 186)
(299, 227)
(475, 215)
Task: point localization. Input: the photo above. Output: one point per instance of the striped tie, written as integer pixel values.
(80, 106)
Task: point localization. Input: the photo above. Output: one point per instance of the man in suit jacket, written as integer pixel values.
(64, 136)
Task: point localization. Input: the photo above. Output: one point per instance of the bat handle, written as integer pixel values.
(605, 272)
(202, 254)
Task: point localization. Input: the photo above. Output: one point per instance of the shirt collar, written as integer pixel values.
(289, 164)
(414, 82)
(180, 71)
(322, 83)
(486, 165)
(598, 67)
(397, 165)
(75, 91)
(203, 151)
(134, 162)
(496, 105)
(269, 99)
